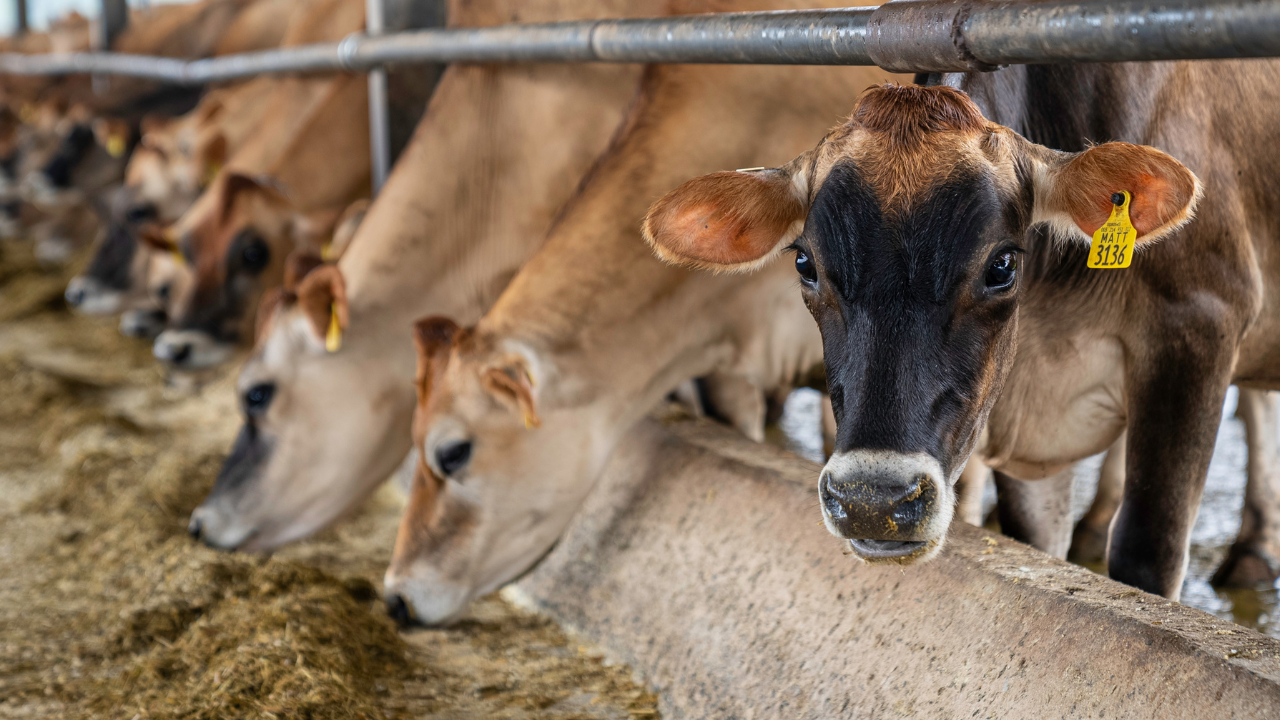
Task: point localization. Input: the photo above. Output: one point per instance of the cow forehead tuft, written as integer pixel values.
(907, 111)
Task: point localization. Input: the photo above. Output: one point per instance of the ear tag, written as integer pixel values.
(211, 171)
(326, 252)
(531, 419)
(1113, 242)
(333, 338)
(115, 146)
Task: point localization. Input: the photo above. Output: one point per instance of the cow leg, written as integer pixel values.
(737, 401)
(1254, 558)
(1036, 512)
(969, 487)
(1173, 422)
(1089, 541)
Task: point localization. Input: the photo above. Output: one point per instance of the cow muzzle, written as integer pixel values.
(890, 506)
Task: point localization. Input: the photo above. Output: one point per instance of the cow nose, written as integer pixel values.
(181, 353)
(195, 528)
(75, 296)
(399, 611)
(882, 500)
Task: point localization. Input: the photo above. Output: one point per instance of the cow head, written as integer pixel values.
(485, 426)
(908, 225)
(161, 183)
(238, 252)
(320, 396)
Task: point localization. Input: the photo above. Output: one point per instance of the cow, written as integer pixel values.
(945, 256)
(243, 127)
(518, 413)
(498, 152)
(239, 246)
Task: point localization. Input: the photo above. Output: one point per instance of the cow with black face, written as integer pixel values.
(944, 259)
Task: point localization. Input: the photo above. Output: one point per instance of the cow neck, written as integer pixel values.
(595, 298)
(498, 152)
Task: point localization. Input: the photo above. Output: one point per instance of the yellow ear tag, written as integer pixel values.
(115, 146)
(326, 252)
(210, 172)
(333, 338)
(1113, 242)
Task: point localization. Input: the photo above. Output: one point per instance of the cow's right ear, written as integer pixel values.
(434, 338)
(213, 155)
(322, 296)
(731, 221)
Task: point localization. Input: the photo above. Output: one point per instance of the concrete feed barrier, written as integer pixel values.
(700, 560)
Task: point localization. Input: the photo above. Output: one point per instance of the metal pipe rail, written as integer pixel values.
(900, 36)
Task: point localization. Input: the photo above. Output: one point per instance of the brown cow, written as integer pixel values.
(240, 246)
(519, 413)
(923, 235)
(499, 150)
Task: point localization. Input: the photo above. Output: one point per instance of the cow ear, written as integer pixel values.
(112, 134)
(434, 337)
(512, 383)
(271, 300)
(213, 155)
(298, 265)
(1074, 193)
(322, 296)
(233, 184)
(731, 220)
(345, 230)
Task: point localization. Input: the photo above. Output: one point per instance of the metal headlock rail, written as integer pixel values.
(899, 36)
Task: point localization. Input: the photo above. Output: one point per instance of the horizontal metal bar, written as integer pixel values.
(903, 35)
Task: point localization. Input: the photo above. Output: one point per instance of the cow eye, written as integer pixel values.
(452, 457)
(162, 293)
(804, 266)
(1002, 272)
(254, 255)
(258, 398)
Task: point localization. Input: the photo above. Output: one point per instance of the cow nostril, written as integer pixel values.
(182, 353)
(75, 296)
(398, 609)
(195, 529)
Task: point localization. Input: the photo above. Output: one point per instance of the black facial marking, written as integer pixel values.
(903, 365)
(249, 452)
(112, 262)
(70, 152)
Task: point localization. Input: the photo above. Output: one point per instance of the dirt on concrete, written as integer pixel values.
(108, 609)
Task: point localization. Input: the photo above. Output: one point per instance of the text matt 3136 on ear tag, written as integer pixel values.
(1113, 242)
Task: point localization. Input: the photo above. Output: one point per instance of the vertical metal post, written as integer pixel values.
(114, 18)
(22, 17)
(379, 129)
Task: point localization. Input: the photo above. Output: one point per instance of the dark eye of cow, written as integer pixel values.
(1002, 271)
(804, 266)
(258, 398)
(452, 457)
(140, 213)
(162, 292)
(255, 254)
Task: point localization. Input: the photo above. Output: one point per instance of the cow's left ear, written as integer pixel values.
(1073, 190)
(731, 221)
(322, 296)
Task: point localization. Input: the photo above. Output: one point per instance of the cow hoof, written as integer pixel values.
(1088, 545)
(1246, 566)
